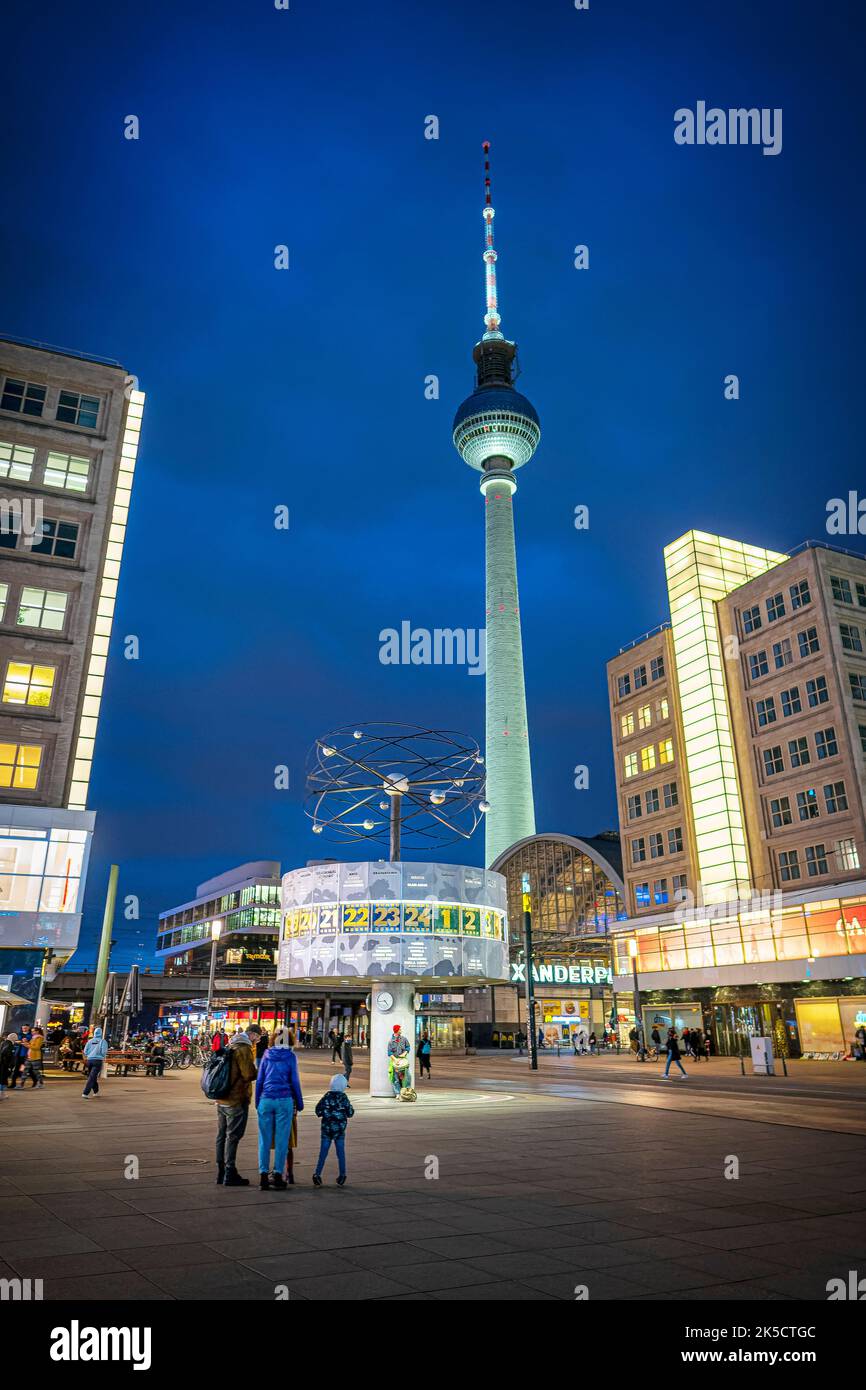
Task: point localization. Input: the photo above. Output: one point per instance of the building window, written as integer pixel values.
(800, 595)
(25, 397)
(782, 653)
(623, 686)
(657, 668)
(751, 619)
(841, 589)
(638, 850)
(42, 608)
(626, 725)
(639, 677)
(630, 764)
(634, 808)
(780, 812)
(789, 867)
(858, 686)
(19, 765)
(642, 894)
(791, 701)
(681, 887)
(647, 758)
(26, 684)
(846, 855)
(671, 795)
(666, 751)
(75, 409)
(67, 471)
(826, 745)
(799, 751)
(4, 599)
(644, 717)
(660, 891)
(758, 665)
(808, 641)
(816, 691)
(835, 798)
(807, 804)
(851, 640)
(675, 840)
(773, 760)
(59, 538)
(16, 461)
(766, 711)
(657, 848)
(663, 708)
(651, 798)
(775, 608)
(861, 594)
(862, 731)
(816, 860)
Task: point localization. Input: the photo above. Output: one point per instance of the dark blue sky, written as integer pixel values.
(305, 387)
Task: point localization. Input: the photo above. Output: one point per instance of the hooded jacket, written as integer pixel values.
(278, 1077)
(97, 1049)
(243, 1072)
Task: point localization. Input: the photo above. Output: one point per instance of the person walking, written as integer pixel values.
(33, 1065)
(233, 1110)
(593, 1044)
(336, 1045)
(259, 1039)
(8, 1053)
(423, 1052)
(697, 1044)
(278, 1096)
(335, 1111)
(348, 1060)
(673, 1051)
(95, 1053)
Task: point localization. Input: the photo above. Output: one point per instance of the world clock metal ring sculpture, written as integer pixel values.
(396, 783)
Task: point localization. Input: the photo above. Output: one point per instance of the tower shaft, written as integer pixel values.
(509, 773)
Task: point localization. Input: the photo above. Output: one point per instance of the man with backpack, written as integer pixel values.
(228, 1079)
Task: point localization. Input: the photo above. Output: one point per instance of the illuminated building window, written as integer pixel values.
(666, 751)
(639, 677)
(765, 711)
(758, 665)
(780, 812)
(42, 608)
(800, 595)
(826, 744)
(656, 845)
(25, 397)
(846, 855)
(671, 795)
(59, 538)
(808, 641)
(651, 800)
(16, 461)
(782, 653)
(642, 894)
(623, 686)
(789, 865)
(841, 589)
(644, 717)
(75, 409)
(4, 598)
(638, 850)
(660, 891)
(647, 758)
(752, 619)
(773, 760)
(681, 887)
(775, 608)
(858, 686)
(835, 798)
(664, 711)
(19, 765)
(28, 685)
(67, 471)
(630, 764)
(816, 860)
(791, 701)
(657, 668)
(817, 692)
(634, 808)
(627, 725)
(798, 749)
(851, 639)
(807, 804)
(675, 840)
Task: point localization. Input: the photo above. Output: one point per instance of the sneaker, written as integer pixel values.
(317, 1181)
(341, 1180)
(234, 1179)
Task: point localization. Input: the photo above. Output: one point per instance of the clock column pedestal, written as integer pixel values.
(382, 1020)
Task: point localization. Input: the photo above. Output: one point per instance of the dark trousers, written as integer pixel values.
(231, 1126)
(92, 1082)
(324, 1148)
(424, 1062)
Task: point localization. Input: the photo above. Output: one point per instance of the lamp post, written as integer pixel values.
(530, 988)
(638, 1016)
(216, 928)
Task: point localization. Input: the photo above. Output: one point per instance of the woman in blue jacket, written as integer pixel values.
(278, 1094)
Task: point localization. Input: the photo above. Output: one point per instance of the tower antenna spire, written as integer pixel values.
(492, 319)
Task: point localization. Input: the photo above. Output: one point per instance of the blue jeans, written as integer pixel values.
(324, 1148)
(92, 1082)
(275, 1126)
(671, 1058)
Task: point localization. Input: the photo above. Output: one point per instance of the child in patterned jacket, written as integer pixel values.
(335, 1111)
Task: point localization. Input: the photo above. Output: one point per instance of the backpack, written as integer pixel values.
(408, 1093)
(216, 1076)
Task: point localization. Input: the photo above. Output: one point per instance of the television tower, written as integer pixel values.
(496, 431)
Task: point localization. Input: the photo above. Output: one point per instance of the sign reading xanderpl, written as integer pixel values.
(588, 973)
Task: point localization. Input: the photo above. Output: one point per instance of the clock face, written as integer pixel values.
(384, 1001)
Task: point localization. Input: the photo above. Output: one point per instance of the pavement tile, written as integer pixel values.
(225, 1281)
(357, 1283)
(492, 1293)
(127, 1286)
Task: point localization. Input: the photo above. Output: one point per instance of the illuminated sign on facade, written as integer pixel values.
(589, 973)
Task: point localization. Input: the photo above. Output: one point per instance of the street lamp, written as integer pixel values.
(638, 1017)
(215, 928)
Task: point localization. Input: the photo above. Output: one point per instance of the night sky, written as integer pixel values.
(305, 387)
